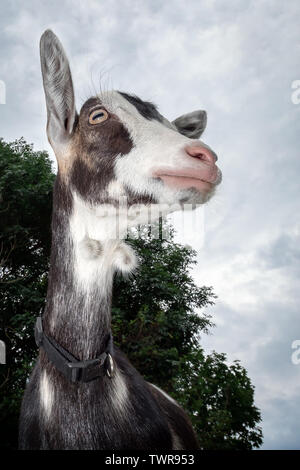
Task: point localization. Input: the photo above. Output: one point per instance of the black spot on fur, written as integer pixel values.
(145, 108)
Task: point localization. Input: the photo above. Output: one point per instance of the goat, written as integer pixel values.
(83, 393)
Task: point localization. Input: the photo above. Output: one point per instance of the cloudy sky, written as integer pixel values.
(238, 61)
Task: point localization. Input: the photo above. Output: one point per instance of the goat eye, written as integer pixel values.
(97, 116)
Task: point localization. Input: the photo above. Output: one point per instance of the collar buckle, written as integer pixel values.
(73, 369)
(110, 368)
(84, 370)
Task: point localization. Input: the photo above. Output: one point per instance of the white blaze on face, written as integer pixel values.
(154, 143)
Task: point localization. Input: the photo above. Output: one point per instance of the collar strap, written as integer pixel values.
(73, 369)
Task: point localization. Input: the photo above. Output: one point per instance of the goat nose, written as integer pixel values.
(203, 153)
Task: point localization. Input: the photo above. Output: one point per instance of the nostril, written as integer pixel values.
(204, 154)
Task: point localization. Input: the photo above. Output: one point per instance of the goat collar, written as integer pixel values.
(73, 369)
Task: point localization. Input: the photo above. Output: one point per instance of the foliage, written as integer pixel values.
(26, 182)
(158, 316)
(220, 399)
(154, 311)
(158, 313)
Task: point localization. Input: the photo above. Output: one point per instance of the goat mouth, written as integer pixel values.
(203, 178)
(186, 182)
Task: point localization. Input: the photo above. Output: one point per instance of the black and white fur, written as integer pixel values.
(97, 168)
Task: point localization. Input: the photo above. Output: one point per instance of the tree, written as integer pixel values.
(220, 399)
(154, 311)
(157, 320)
(158, 312)
(26, 182)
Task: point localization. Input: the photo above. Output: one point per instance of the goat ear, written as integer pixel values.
(58, 87)
(192, 124)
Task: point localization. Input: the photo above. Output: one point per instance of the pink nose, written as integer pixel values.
(203, 153)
